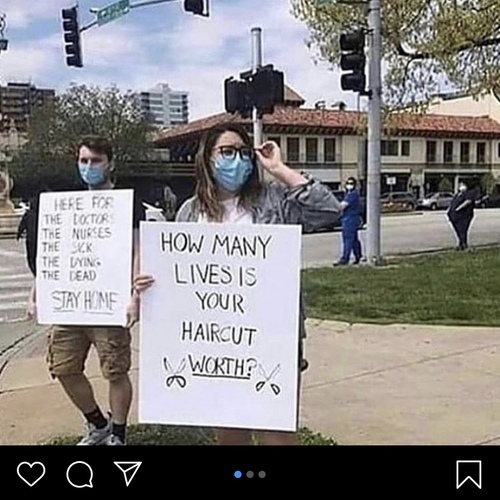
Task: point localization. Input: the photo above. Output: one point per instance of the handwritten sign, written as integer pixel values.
(219, 327)
(84, 257)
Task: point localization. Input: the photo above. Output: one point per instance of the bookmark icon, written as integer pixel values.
(129, 470)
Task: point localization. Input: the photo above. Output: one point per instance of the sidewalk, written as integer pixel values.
(367, 384)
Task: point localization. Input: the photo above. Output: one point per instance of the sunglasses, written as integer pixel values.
(229, 152)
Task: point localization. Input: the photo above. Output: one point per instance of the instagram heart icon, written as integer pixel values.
(32, 475)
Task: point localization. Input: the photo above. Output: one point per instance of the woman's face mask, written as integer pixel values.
(462, 188)
(232, 167)
(349, 186)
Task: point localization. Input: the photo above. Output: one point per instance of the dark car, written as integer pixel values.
(398, 199)
(488, 201)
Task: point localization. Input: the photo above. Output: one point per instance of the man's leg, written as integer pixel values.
(455, 225)
(67, 351)
(462, 233)
(113, 348)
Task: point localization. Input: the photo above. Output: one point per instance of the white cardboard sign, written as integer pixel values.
(219, 327)
(84, 257)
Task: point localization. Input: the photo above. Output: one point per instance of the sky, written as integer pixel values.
(162, 43)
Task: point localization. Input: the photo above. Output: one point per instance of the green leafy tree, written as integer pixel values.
(488, 183)
(55, 131)
(445, 185)
(428, 45)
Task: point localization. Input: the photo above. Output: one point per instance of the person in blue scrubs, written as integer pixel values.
(351, 217)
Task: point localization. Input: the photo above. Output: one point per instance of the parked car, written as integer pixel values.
(398, 200)
(434, 201)
(489, 201)
(154, 213)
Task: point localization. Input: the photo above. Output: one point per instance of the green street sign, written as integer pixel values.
(113, 11)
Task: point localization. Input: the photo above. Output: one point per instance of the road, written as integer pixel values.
(406, 234)
(400, 234)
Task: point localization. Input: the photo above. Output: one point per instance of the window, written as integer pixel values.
(329, 147)
(448, 152)
(464, 152)
(389, 148)
(311, 150)
(292, 149)
(405, 148)
(481, 152)
(431, 153)
(277, 140)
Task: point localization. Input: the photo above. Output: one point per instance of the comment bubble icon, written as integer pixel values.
(82, 475)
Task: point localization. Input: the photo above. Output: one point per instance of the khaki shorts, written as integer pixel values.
(68, 348)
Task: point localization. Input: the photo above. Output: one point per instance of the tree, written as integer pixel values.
(445, 185)
(488, 183)
(55, 131)
(428, 45)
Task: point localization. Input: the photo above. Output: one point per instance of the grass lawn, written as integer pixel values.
(163, 435)
(455, 288)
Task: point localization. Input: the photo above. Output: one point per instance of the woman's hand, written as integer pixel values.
(142, 282)
(132, 312)
(269, 156)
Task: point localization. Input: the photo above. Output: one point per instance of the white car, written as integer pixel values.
(154, 213)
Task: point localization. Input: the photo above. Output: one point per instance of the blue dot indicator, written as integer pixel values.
(237, 474)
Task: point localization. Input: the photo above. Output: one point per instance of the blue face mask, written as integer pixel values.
(231, 174)
(93, 175)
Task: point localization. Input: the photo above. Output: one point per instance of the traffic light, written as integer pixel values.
(353, 60)
(72, 38)
(197, 7)
(266, 89)
(236, 97)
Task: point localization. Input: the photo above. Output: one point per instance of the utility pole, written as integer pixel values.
(374, 133)
(256, 64)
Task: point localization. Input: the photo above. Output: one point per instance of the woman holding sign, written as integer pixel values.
(229, 189)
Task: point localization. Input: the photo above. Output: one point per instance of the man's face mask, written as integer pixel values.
(462, 188)
(93, 174)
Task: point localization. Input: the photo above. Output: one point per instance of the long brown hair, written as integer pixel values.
(206, 188)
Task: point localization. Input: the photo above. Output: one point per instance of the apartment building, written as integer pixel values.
(18, 101)
(164, 106)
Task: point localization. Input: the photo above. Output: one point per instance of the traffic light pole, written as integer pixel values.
(256, 64)
(374, 134)
(132, 6)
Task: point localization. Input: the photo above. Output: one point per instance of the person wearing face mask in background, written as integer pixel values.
(68, 346)
(351, 217)
(461, 212)
(230, 190)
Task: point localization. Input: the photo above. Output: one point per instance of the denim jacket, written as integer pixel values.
(311, 205)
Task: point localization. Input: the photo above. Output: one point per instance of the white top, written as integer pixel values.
(232, 213)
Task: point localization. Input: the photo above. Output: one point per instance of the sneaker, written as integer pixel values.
(340, 263)
(95, 436)
(113, 440)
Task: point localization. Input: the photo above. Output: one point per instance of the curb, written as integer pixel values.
(13, 350)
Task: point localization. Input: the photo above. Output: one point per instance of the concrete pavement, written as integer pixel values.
(367, 384)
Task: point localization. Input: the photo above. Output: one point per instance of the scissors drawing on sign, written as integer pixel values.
(267, 378)
(176, 375)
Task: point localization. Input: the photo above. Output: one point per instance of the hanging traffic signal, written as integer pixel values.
(267, 89)
(197, 7)
(236, 97)
(353, 60)
(72, 38)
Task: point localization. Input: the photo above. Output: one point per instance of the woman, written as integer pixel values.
(461, 213)
(351, 217)
(229, 189)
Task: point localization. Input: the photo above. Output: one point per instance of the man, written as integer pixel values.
(351, 218)
(69, 345)
(461, 213)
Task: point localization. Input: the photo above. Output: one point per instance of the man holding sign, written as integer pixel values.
(229, 190)
(78, 234)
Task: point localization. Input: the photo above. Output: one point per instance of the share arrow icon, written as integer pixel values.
(129, 470)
